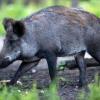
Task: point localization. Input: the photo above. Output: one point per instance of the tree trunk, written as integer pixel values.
(56, 2)
(75, 3)
(0, 2)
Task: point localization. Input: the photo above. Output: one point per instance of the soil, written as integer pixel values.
(67, 84)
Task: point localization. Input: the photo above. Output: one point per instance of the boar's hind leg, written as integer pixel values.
(51, 60)
(24, 67)
(82, 68)
(95, 53)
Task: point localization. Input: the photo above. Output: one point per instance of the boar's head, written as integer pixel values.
(18, 44)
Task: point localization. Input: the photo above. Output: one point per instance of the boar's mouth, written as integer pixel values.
(4, 63)
(7, 60)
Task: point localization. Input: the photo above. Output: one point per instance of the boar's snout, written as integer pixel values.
(8, 59)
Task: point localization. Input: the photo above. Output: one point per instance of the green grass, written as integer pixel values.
(92, 6)
(13, 93)
(94, 91)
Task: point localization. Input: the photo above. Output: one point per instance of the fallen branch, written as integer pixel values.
(71, 64)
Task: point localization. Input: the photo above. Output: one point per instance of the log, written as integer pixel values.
(71, 64)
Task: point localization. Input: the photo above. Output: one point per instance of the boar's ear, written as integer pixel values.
(8, 24)
(12, 26)
(18, 28)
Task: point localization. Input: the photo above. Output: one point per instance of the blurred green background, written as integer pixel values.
(21, 8)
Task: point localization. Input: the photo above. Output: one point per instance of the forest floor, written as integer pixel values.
(67, 84)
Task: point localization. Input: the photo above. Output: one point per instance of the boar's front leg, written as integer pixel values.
(52, 61)
(82, 68)
(24, 67)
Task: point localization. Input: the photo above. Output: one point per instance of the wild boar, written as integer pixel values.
(52, 32)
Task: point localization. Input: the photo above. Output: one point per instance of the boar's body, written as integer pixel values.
(64, 31)
(50, 33)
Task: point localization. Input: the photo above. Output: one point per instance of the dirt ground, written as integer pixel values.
(67, 87)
